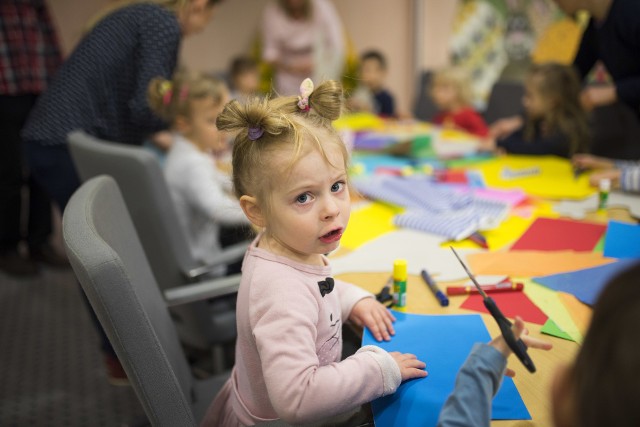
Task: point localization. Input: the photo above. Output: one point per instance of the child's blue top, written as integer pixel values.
(102, 87)
(476, 384)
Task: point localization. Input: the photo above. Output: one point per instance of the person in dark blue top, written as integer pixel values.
(554, 122)
(371, 95)
(102, 89)
(612, 37)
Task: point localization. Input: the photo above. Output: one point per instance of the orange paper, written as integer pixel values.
(533, 263)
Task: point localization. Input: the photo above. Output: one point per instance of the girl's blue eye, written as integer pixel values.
(303, 198)
(337, 186)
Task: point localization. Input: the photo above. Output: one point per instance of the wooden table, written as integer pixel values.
(534, 388)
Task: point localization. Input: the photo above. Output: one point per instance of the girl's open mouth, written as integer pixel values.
(332, 236)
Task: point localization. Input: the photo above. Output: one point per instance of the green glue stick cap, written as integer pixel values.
(400, 270)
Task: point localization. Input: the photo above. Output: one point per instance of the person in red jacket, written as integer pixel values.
(451, 92)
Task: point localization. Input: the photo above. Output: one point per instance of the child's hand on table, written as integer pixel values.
(611, 174)
(375, 316)
(520, 332)
(587, 161)
(502, 128)
(410, 366)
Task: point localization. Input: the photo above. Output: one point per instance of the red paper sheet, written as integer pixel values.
(548, 234)
(511, 304)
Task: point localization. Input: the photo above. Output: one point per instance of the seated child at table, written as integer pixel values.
(554, 121)
(290, 174)
(245, 78)
(371, 95)
(200, 190)
(624, 174)
(599, 389)
(451, 92)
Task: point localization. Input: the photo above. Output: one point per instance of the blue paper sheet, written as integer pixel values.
(622, 240)
(443, 343)
(585, 284)
(371, 162)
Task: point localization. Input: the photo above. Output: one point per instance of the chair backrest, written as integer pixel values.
(147, 196)
(424, 107)
(112, 268)
(505, 100)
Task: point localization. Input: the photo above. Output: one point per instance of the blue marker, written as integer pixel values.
(442, 298)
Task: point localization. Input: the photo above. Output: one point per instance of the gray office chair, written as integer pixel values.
(424, 108)
(112, 268)
(202, 324)
(505, 100)
(108, 259)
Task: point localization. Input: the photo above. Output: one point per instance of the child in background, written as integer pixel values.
(554, 121)
(451, 92)
(622, 173)
(201, 192)
(371, 95)
(599, 389)
(245, 78)
(290, 173)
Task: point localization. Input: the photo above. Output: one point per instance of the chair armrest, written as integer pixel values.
(201, 291)
(228, 255)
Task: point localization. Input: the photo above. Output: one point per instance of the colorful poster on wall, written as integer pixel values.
(499, 39)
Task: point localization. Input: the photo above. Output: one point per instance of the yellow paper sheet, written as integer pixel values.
(549, 302)
(359, 122)
(555, 179)
(533, 263)
(580, 313)
(367, 223)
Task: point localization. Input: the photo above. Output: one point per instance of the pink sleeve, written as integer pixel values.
(271, 18)
(349, 295)
(300, 390)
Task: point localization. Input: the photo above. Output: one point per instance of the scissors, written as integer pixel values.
(518, 347)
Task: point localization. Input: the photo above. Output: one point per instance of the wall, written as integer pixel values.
(385, 25)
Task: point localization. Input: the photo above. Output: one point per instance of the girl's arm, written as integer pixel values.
(556, 144)
(300, 389)
(204, 188)
(159, 41)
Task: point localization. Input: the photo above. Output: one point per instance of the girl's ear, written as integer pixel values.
(251, 209)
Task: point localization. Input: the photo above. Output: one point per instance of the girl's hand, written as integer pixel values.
(612, 174)
(487, 144)
(520, 332)
(375, 316)
(410, 366)
(596, 96)
(587, 161)
(502, 128)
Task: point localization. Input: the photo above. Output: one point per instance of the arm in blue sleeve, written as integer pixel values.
(556, 144)
(477, 383)
(158, 54)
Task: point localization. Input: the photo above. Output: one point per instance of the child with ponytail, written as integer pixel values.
(290, 174)
(191, 103)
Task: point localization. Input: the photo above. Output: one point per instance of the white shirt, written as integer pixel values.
(201, 194)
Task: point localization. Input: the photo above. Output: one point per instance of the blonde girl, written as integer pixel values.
(191, 103)
(290, 173)
(553, 122)
(452, 94)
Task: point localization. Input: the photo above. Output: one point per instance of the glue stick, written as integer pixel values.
(400, 283)
(603, 196)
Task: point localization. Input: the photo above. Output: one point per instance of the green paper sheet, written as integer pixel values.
(550, 328)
